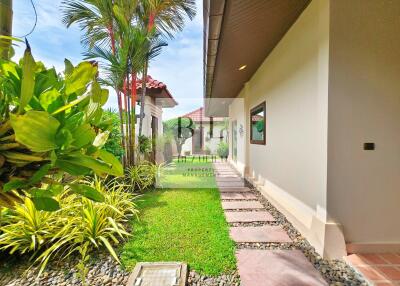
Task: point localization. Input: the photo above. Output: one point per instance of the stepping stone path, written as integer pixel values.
(260, 267)
(244, 216)
(238, 196)
(242, 205)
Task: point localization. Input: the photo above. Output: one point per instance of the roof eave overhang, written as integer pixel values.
(213, 13)
(238, 33)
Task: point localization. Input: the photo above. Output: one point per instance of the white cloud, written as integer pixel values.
(179, 65)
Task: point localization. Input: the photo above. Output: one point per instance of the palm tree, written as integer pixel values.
(5, 27)
(121, 72)
(95, 17)
(165, 17)
(106, 23)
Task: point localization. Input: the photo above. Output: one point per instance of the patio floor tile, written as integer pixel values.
(259, 234)
(391, 272)
(248, 217)
(276, 268)
(234, 190)
(370, 273)
(238, 196)
(373, 259)
(391, 258)
(378, 268)
(242, 205)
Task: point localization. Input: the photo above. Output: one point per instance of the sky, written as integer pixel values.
(179, 66)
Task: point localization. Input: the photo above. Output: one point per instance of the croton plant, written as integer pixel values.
(51, 131)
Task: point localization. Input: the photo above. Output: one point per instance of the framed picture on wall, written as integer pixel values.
(257, 124)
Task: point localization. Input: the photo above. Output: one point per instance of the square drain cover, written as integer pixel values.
(158, 274)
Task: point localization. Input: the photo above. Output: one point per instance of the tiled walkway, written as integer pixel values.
(379, 269)
(251, 224)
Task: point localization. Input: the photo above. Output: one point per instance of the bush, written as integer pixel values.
(113, 144)
(77, 223)
(144, 146)
(142, 176)
(50, 124)
(223, 149)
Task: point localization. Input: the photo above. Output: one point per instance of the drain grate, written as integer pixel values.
(158, 274)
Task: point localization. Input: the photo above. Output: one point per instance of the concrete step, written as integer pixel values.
(261, 216)
(242, 205)
(276, 268)
(265, 233)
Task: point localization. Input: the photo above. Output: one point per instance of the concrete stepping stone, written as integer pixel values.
(229, 179)
(242, 205)
(265, 233)
(276, 268)
(238, 196)
(230, 184)
(248, 217)
(226, 174)
(234, 190)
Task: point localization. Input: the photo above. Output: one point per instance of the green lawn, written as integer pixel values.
(182, 225)
(193, 173)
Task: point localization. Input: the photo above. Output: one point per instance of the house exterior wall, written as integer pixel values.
(364, 106)
(291, 169)
(237, 113)
(211, 143)
(331, 85)
(151, 109)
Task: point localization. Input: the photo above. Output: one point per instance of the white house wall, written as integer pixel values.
(364, 106)
(237, 113)
(291, 169)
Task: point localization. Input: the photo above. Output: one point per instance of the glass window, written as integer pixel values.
(257, 124)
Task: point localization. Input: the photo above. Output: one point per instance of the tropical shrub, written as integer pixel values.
(142, 176)
(79, 223)
(50, 125)
(223, 149)
(113, 144)
(144, 146)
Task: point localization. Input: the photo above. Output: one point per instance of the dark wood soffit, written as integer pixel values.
(250, 31)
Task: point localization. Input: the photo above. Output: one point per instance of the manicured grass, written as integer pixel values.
(193, 173)
(182, 225)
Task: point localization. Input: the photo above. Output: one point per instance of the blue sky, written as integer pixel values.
(179, 65)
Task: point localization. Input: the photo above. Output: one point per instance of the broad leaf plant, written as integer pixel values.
(51, 131)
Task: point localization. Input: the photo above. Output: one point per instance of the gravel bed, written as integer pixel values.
(266, 245)
(245, 210)
(256, 223)
(231, 279)
(102, 271)
(335, 272)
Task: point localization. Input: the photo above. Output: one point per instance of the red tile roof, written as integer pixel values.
(198, 115)
(151, 83)
(157, 89)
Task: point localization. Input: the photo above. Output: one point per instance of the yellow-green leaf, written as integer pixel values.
(36, 130)
(80, 77)
(28, 79)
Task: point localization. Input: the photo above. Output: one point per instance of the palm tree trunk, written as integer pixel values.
(133, 120)
(129, 120)
(121, 125)
(126, 123)
(6, 14)
(143, 95)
